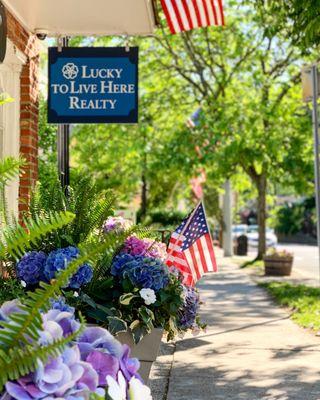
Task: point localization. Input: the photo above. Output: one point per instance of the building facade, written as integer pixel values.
(19, 119)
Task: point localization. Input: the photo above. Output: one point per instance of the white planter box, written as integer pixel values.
(146, 350)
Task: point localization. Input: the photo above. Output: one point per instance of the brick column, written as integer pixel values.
(29, 106)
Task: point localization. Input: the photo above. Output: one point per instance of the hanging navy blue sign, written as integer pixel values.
(93, 85)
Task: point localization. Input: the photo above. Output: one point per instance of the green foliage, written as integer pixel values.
(85, 200)
(297, 217)
(9, 169)
(20, 351)
(303, 301)
(47, 158)
(5, 98)
(289, 219)
(17, 239)
(301, 19)
(10, 289)
(165, 217)
(119, 306)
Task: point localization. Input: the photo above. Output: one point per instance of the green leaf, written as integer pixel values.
(134, 324)
(126, 299)
(117, 325)
(98, 315)
(138, 333)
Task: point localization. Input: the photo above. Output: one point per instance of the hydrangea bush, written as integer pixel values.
(139, 292)
(94, 363)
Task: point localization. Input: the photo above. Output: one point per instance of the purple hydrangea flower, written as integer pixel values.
(30, 268)
(58, 324)
(8, 308)
(190, 308)
(143, 272)
(96, 338)
(129, 366)
(107, 356)
(61, 377)
(145, 247)
(59, 259)
(81, 369)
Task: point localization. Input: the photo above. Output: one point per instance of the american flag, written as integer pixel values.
(190, 247)
(184, 15)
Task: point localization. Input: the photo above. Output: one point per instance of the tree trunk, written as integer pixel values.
(261, 208)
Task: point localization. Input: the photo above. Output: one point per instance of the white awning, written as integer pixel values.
(84, 17)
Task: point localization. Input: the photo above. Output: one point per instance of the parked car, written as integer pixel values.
(253, 236)
(238, 230)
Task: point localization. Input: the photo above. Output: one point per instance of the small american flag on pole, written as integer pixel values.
(184, 15)
(191, 249)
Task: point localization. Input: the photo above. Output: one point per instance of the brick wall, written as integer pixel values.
(29, 106)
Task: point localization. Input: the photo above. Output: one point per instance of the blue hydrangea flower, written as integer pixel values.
(59, 259)
(30, 268)
(60, 304)
(82, 277)
(143, 272)
(124, 261)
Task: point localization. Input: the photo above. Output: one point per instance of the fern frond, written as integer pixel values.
(18, 362)
(9, 169)
(16, 239)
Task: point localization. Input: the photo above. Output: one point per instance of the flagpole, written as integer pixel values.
(186, 225)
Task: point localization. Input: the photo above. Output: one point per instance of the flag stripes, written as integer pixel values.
(184, 15)
(190, 248)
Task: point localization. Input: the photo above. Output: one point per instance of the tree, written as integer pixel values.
(246, 84)
(301, 18)
(134, 160)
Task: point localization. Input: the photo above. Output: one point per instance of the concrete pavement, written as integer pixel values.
(251, 350)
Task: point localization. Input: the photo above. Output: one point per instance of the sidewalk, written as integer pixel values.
(251, 350)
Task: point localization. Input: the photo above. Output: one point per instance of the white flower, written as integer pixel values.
(148, 296)
(23, 284)
(117, 390)
(75, 294)
(138, 391)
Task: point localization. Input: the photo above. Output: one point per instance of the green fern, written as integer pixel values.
(9, 169)
(17, 239)
(90, 206)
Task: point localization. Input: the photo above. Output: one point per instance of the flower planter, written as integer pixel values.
(146, 350)
(278, 266)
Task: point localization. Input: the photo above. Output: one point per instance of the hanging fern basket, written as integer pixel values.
(276, 265)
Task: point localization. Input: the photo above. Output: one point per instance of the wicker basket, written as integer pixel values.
(277, 265)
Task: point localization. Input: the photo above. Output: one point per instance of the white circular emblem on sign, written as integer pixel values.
(70, 71)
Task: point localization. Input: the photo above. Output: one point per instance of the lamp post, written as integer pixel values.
(310, 86)
(63, 141)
